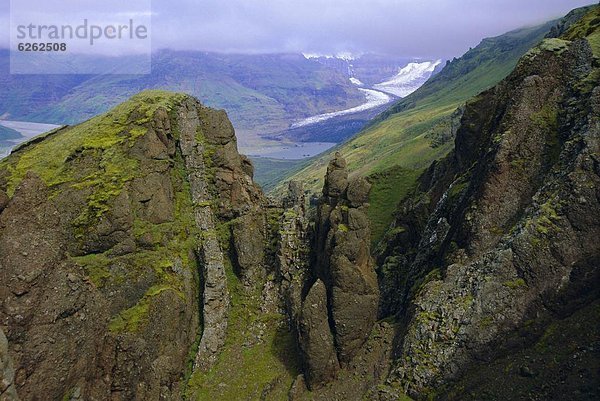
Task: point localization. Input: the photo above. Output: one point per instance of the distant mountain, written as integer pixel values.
(393, 78)
(261, 93)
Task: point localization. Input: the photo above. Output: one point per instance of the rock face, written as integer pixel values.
(293, 253)
(129, 242)
(8, 391)
(3, 200)
(95, 261)
(331, 293)
(316, 339)
(501, 231)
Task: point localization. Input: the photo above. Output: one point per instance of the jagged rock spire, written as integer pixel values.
(345, 276)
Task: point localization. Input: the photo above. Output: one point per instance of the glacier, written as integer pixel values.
(373, 99)
(408, 79)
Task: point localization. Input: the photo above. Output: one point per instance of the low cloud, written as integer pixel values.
(413, 28)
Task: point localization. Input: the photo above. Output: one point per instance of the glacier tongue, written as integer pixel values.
(408, 79)
(373, 99)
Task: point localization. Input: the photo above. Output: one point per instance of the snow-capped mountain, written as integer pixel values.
(408, 79)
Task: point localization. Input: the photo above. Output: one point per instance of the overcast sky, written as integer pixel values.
(412, 28)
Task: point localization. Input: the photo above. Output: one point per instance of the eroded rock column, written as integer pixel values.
(345, 288)
(215, 296)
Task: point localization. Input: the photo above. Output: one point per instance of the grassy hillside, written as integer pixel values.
(406, 138)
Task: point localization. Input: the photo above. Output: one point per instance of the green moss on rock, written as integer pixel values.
(587, 27)
(515, 284)
(96, 267)
(131, 319)
(259, 355)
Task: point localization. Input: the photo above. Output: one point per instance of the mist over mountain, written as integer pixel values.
(432, 29)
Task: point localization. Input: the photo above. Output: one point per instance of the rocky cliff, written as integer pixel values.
(108, 242)
(499, 243)
(340, 308)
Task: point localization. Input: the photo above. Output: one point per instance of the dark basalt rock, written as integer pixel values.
(336, 179)
(8, 391)
(358, 192)
(344, 262)
(92, 273)
(249, 245)
(316, 340)
(3, 200)
(499, 230)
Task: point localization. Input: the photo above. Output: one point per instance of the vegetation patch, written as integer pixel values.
(105, 133)
(169, 247)
(587, 27)
(96, 267)
(515, 284)
(457, 189)
(398, 137)
(131, 319)
(268, 172)
(388, 189)
(555, 45)
(249, 367)
(433, 275)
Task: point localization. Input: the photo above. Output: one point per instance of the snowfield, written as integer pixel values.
(356, 81)
(408, 79)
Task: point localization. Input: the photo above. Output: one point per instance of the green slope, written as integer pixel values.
(406, 138)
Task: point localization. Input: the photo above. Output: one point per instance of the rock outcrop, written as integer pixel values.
(341, 307)
(293, 253)
(108, 234)
(343, 259)
(8, 391)
(500, 232)
(316, 340)
(215, 296)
